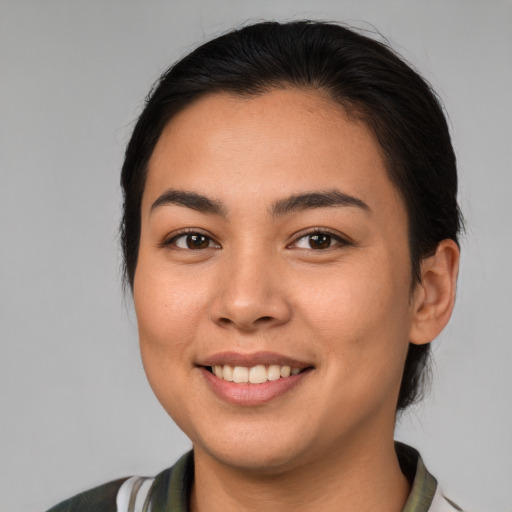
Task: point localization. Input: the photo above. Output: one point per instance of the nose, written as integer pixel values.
(251, 295)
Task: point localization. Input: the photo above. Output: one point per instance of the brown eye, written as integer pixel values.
(193, 241)
(197, 241)
(319, 241)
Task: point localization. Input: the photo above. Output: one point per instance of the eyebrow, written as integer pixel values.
(190, 200)
(294, 203)
(322, 199)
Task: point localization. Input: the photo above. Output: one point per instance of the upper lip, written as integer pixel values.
(250, 360)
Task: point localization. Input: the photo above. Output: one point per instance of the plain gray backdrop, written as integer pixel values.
(76, 410)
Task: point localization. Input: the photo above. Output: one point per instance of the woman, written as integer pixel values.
(290, 237)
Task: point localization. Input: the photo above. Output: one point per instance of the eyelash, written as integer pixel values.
(171, 242)
(338, 240)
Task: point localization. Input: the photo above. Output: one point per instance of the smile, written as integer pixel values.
(255, 374)
(252, 379)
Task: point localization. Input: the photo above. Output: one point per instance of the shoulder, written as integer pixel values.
(98, 499)
(426, 494)
(119, 495)
(167, 491)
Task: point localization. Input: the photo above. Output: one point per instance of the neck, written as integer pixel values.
(362, 478)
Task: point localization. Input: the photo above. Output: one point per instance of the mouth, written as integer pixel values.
(255, 374)
(251, 380)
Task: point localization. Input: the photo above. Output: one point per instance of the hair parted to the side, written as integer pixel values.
(364, 76)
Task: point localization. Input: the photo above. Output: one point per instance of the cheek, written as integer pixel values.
(168, 316)
(168, 311)
(165, 305)
(360, 312)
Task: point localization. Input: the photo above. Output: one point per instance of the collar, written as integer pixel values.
(172, 487)
(423, 484)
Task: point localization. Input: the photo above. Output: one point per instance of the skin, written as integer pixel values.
(258, 285)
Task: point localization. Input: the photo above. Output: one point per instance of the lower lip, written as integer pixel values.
(248, 394)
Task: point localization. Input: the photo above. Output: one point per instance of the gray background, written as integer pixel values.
(75, 408)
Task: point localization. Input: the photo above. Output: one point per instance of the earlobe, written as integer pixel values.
(434, 297)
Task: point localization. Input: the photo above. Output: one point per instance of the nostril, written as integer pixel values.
(261, 320)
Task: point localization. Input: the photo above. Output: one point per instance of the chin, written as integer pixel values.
(256, 450)
(256, 460)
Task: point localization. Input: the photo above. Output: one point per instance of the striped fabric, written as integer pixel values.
(133, 495)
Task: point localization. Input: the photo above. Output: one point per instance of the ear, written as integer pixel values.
(434, 296)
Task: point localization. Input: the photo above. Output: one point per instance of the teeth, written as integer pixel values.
(227, 373)
(255, 375)
(285, 371)
(240, 374)
(274, 372)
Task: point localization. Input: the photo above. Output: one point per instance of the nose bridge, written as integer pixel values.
(250, 294)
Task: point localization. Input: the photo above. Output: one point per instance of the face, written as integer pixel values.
(273, 249)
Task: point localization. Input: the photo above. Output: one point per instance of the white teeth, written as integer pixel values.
(240, 374)
(255, 375)
(274, 372)
(285, 371)
(227, 373)
(258, 374)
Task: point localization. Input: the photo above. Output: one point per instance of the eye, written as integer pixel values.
(319, 240)
(192, 241)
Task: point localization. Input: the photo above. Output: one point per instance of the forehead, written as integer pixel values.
(284, 140)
